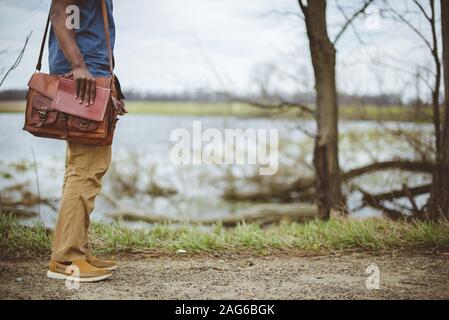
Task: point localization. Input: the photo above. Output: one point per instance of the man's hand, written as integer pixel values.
(85, 85)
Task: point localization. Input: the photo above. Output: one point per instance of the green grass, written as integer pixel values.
(169, 108)
(336, 234)
(350, 112)
(194, 108)
(12, 106)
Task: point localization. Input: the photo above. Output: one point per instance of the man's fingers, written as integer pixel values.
(78, 85)
(85, 85)
(93, 91)
(82, 90)
(86, 100)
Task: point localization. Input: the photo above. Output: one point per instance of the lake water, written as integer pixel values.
(141, 154)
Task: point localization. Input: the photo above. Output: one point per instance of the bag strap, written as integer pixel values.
(108, 36)
(104, 13)
(44, 38)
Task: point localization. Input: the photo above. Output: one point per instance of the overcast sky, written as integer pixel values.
(175, 45)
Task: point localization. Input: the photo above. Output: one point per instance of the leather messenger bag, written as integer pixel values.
(52, 111)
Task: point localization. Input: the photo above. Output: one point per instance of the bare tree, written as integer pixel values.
(323, 55)
(438, 204)
(439, 197)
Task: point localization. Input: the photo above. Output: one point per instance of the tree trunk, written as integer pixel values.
(323, 55)
(439, 198)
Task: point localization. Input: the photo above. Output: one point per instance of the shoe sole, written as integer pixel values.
(111, 268)
(107, 268)
(60, 276)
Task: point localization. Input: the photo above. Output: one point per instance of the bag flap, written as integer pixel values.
(44, 84)
(64, 100)
(47, 84)
(41, 103)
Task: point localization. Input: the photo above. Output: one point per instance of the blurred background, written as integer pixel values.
(246, 64)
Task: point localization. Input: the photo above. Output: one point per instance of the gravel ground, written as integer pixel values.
(241, 276)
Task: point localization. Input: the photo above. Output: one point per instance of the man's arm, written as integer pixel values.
(85, 82)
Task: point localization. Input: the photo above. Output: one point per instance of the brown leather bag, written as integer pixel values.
(52, 113)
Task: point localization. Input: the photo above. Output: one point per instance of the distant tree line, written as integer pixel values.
(13, 94)
(207, 96)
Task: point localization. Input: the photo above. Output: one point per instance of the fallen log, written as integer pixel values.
(405, 165)
(262, 214)
(376, 200)
(395, 194)
(273, 105)
(303, 189)
(274, 193)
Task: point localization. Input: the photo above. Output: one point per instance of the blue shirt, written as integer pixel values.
(91, 40)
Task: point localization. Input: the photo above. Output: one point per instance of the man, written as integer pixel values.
(84, 52)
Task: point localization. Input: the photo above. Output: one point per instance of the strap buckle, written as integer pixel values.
(42, 114)
(84, 124)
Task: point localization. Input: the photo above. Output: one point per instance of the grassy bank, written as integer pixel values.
(366, 112)
(337, 234)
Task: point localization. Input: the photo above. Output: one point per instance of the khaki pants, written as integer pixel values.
(84, 169)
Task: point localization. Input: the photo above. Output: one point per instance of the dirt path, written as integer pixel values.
(291, 276)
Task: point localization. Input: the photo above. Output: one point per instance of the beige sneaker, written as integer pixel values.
(101, 263)
(79, 270)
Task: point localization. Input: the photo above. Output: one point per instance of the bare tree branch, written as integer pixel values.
(405, 165)
(276, 105)
(302, 6)
(350, 20)
(18, 59)
(376, 200)
(424, 12)
(411, 26)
